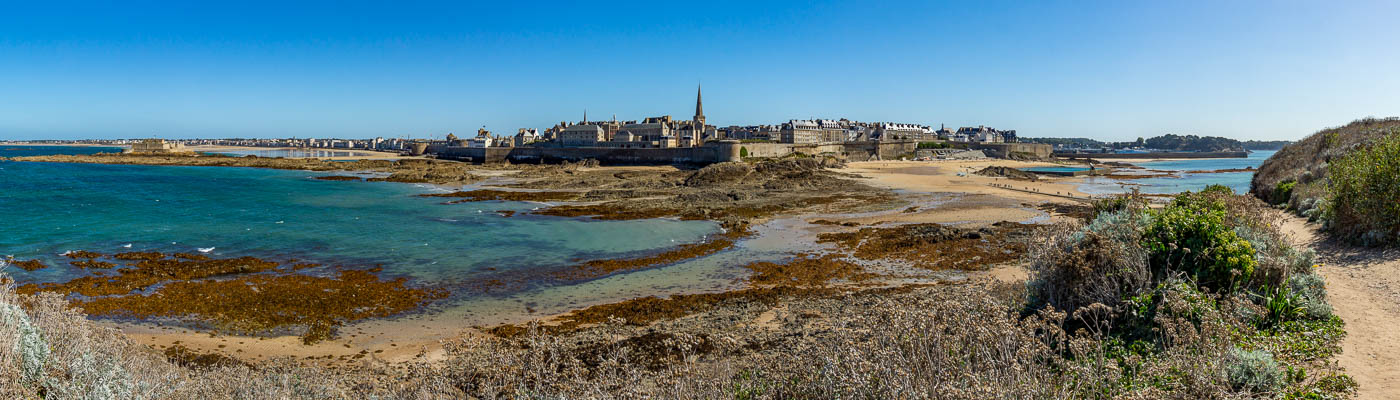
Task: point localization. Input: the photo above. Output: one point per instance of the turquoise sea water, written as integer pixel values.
(1179, 180)
(49, 208)
(26, 150)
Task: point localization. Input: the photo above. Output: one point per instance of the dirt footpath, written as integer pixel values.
(1363, 286)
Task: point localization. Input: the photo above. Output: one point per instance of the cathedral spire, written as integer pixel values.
(699, 108)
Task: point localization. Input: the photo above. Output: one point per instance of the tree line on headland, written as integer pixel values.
(1168, 142)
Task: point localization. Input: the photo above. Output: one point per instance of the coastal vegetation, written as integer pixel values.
(1365, 193)
(1343, 177)
(1173, 142)
(1168, 142)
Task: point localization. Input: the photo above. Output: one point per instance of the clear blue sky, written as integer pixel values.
(1106, 70)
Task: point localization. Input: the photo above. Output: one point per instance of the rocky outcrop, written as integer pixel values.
(719, 174)
(1007, 172)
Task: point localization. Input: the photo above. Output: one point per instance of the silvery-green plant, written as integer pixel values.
(1253, 370)
(1311, 288)
(33, 351)
(93, 376)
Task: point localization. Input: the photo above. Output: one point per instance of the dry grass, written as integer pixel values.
(1306, 162)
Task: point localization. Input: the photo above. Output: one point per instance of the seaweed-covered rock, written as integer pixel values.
(719, 174)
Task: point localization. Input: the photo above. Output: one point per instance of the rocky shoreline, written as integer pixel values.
(243, 295)
(735, 195)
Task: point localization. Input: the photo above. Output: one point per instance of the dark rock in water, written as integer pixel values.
(504, 195)
(93, 264)
(339, 178)
(28, 265)
(82, 254)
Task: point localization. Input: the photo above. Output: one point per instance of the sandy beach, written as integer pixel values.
(958, 177)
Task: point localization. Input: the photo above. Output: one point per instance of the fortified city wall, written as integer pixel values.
(856, 151)
(1004, 150)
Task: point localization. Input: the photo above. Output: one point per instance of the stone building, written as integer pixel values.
(156, 146)
(650, 129)
(526, 136)
(983, 134)
(581, 135)
(895, 131)
(483, 139)
(815, 131)
(944, 133)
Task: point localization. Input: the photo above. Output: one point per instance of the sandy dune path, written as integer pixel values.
(1363, 286)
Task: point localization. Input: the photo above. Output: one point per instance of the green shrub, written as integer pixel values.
(743, 152)
(933, 145)
(1282, 192)
(1217, 190)
(1365, 193)
(1143, 314)
(1255, 371)
(1191, 236)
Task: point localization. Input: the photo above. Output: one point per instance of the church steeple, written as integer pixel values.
(699, 109)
